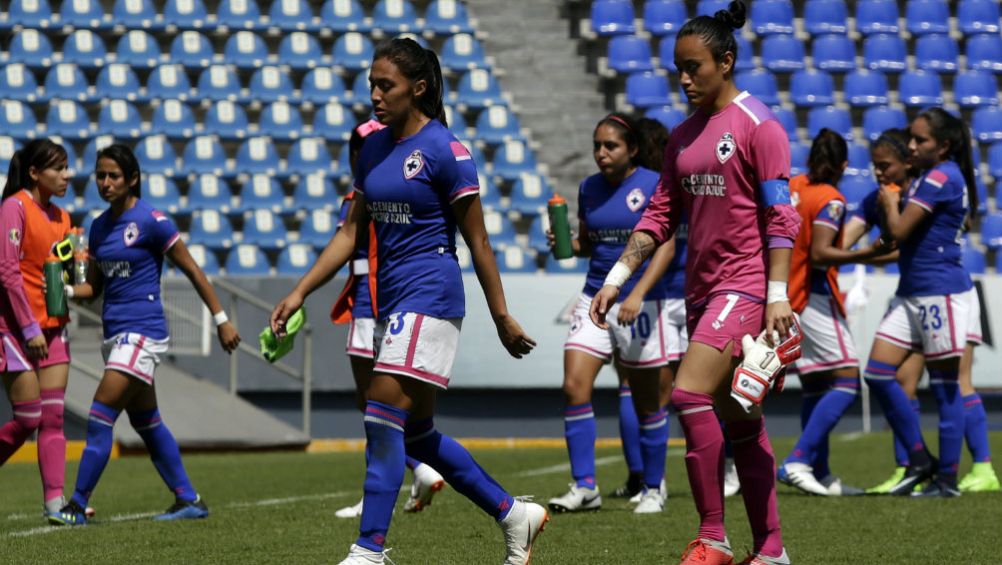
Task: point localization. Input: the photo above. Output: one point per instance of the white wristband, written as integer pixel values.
(68, 290)
(776, 292)
(618, 275)
(220, 318)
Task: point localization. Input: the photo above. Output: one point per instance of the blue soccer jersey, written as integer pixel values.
(866, 210)
(610, 213)
(675, 274)
(362, 307)
(409, 186)
(130, 253)
(930, 261)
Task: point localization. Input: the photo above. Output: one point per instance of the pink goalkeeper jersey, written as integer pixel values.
(714, 170)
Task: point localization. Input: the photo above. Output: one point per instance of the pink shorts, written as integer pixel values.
(725, 318)
(18, 361)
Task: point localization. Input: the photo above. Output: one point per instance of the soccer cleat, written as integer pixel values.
(982, 478)
(578, 499)
(652, 501)
(630, 489)
(939, 488)
(886, 486)
(70, 515)
(836, 488)
(353, 511)
(523, 524)
(914, 475)
(185, 510)
(358, 555)
(759, 559)
(732, 484)
(703, 551)
(800, 476)
(426, 483)
(663, 489)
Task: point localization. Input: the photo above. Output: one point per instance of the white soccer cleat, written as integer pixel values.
(837, 488)
(426, 483)
(353, 511)
(578, 499)
(359, 555)
(800, 476)
(663, 489)
(521, 527)
(732, 484)
(652, 501)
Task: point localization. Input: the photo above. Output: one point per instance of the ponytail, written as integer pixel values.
(717, 32)
(946, 128)
(653, 136)
(829, 152)
(39, 153)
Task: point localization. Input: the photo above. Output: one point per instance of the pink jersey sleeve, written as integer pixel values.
(662, 215)
(12, 229)
(771, 160)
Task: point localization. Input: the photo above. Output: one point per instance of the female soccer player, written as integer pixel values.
(35, 345)
(128, 243)
(727, 168)
(354, 306)
(417, 184)
(828, 368)
(931, 309)
(609, 204)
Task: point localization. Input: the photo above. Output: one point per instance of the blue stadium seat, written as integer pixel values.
(321, 85)
(973, 259)
(788, 119)
(461, 52)
(31, 48)
(185, 14)
(168, 82)
(834, 53)
(264, 228)
(919, 89)
(530, 194)
(445, 17)
(235, 15)
(155, 155)
(877, 16)
(291, 15)
(537, 234)
(204, 258)
(85, 14)
(68, 119)
(204, 155)
(497, 124)
(629, 54)
(859, 160)
(342, 16)
(118, 81)
(219, 82)
(192, 50)
(937, 53)
(864, 89)
(352, 52)
(271, 84)
(209, 192)
(394, 16)
(983, 53)
(667, 115)
(310, 155)
(991, 231)
(71, 159)
(457, 123)
(666, 54)
(8, 145)
(612, 17)
(227, 120)
(261, 192)
(120, 119)
(478, 89)
(514, 259)
(987, 124)
(17, 83)
(573, 265)
(162, 193)
(783, 53)
(664, 17)
(761, 84)
(300, 51)
(882, 118)
(361, 92)
(257, 155)
(812, 88)
(334, 122)
(974, 88)
(478, 156)
(978, 16)
(512, 159)
(855, 188)
(246, 50)
(499, 229)
(927, 16)
(885, 53)
(770, 17)
(17, 121)
(96, 143)
(138, 49)
(318, 227)
(136, 15)
(31, 14)
(92, 197)
(826, 16)
(66, 82)
(490, 196)
(798, 158)
(84, 48)
(836, 119)
(982, 189)
(295, 260)
(995, 164)
(247, 260)
(710, 7)
(647, 89)
(280, 121)
(746, 55)
(315, 191)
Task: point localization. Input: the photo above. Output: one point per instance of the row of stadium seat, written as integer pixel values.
(391, 16)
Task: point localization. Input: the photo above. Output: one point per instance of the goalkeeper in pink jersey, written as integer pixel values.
(726, 168)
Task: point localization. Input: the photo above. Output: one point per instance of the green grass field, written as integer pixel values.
(278, 508)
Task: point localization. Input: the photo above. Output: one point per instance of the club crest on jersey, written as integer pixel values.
(131, 234)
(835, 210)
(15, 237)
(635, 199)
(413, 164)
(725, 147)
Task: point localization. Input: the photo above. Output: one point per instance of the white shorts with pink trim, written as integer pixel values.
(417, 346)
(935, 325)
(360, 333)
(676, 329)
(133, 354)
(827, 342)
(974, 333)
(641, 344)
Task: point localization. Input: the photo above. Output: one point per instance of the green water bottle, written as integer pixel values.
(561, 228)
(55, 293)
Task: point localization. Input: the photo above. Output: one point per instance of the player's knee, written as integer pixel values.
(52, 416)
(25, 423)
(683, 400)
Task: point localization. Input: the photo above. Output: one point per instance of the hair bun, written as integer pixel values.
(734, 16)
